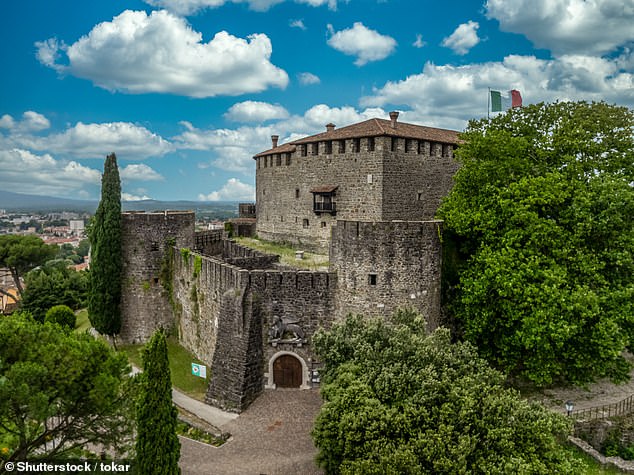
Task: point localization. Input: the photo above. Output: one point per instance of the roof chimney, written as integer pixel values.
(330, 127)
(393, 117)
(274, 139)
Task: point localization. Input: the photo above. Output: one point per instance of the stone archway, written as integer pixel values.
(287, 370)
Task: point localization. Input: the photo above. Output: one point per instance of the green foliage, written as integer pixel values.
(229, 229)
(198, 265)
(105, 270)
(185, 252)
(53, 285)
(63, 387)
(157, 445)
(61, 315)
(20, 254)
(541, 217)
(399, 401)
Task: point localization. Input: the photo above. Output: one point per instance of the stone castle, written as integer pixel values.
(367, 193)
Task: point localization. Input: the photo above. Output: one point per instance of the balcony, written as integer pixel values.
(320, 207)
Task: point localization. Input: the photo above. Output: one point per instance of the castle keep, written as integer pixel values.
(367, 192)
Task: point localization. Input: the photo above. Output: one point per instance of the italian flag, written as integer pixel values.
(501, 103)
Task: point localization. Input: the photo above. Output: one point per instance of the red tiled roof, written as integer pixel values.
(373, 128)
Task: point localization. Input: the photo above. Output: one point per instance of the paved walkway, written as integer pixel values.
(271, 437)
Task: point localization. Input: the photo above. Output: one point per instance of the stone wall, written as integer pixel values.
(146, 238)
(382, 266)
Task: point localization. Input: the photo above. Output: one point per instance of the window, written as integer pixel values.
(155, 280)
(372, 279)
(296, 192)
(281, 219)
(432, 149)
(420, 196)
(370, 144)
(154, 246)
(356, 145)
(278, 159)
(342, 146)
(266, 159)
(393, 144)
(305, 223)
(328, 147)
(323, 224)
(288, 159)
(408, 143)
(316, 148)
(304, 150)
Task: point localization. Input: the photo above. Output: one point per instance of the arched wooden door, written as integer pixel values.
(287, 372)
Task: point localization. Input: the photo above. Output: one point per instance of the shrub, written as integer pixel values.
(62, 315)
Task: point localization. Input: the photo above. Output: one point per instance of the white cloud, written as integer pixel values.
(23, 171)
(448, 96)
(297, 24)
(308, 78)
(128, 141)
(367, 45)
(254, 111)
(463, 38)
(130, 197)
(190, 7)
(568, 26)
(140, 172)
(137, 53)
(419, 43)
(233, 190)
(31, 122)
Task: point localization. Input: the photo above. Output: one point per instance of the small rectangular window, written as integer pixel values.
(370, 144)
(278, 159)
(342, 146)
(420, 147)
(305, 223)
(315, 148)
(288, 159)
(420, 197)
(296, 192)
(356, 145)
(304, 150)
(407, 145)
(372, 279)
(323, 224)
(328, 147)
(393, 144)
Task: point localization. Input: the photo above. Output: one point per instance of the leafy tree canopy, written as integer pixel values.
(541, 215)
(20, 254)
(400, 401)
(60, 392)
(62, 315)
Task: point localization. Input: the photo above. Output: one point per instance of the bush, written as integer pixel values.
(62, 315)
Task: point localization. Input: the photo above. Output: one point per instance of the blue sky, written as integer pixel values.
(185, 92)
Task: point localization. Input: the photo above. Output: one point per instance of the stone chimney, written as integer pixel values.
(274, 139)
(393, 117)
(330, 127)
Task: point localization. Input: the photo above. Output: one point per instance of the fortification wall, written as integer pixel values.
(382, 266)
(284, 200)
(209, 242)
(145, 239)
(416, 179)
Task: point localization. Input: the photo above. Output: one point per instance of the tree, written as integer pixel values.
(157, 445)
(20, 254)
(53, 284)
(104, 302)
(399, 401)
(60, 392)
(541, 215)
(61, 315)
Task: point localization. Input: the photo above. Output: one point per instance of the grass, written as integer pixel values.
(591, 466)
(180, 367)
(286, 252)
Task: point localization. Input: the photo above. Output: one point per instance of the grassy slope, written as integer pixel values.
(287, 253)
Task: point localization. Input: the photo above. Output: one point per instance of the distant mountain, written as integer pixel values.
(19, 202)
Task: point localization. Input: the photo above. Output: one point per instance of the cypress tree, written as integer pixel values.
(104, 299)
(157, 445)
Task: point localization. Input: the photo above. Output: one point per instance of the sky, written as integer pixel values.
(185, 92)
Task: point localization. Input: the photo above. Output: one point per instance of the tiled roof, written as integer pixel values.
(373, 128)
(287, 147)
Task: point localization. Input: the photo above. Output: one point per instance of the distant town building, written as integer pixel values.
(76, 226)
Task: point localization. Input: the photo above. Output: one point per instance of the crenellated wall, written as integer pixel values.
(146, 237)
(382, 266)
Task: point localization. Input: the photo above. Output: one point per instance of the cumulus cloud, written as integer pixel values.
(463, 38)
(233, 190)
(366, 44)
(308, 78)
(22, 170)
(297, 24)
(140, 172)
(31, 122)
(419, 43)
(161, 53)
(128, 140)
(190, 7)
(130, 197)
(447, 96)
(254, 111)
(567, 26)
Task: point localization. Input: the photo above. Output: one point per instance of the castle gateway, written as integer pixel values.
(367, 192)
